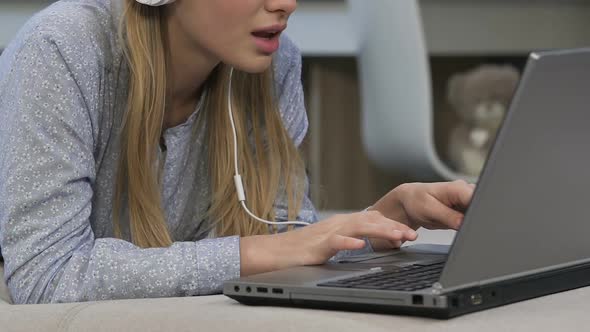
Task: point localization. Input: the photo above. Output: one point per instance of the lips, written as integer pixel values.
(267, 39)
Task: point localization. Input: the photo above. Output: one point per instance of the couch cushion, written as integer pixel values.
(560, 312)
(4, 295)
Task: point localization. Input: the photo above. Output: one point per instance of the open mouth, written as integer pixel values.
(267, 39)
(265, 34)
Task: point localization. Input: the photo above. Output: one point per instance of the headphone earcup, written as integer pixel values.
(155, 3)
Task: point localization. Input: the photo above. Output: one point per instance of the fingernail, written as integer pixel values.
(412, 233)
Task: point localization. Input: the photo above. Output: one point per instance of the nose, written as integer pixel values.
(285, 6)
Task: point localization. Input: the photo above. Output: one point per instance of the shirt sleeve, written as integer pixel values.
(49, 88)
(288, 67)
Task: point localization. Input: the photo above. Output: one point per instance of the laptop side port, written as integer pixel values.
(476, 299)
(417, 300)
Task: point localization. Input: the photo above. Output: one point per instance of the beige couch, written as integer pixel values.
(561, 312)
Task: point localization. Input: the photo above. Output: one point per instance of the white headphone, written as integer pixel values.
(155, 3)
(237, 177)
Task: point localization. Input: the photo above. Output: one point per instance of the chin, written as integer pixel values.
(255, 65)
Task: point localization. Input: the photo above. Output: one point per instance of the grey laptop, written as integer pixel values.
(526, 233)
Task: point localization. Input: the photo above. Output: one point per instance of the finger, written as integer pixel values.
(462, 192)
(455, 194)
(439, 213)
(377, 218)
(340, 242)
(371, 216)
(396, 244)
(383, 228)
(380, 244)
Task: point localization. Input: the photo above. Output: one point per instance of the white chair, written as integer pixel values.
(397, 113)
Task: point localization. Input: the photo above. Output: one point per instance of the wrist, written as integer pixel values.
(264, 253)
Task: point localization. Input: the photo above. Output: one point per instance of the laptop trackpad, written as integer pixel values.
(419, 253)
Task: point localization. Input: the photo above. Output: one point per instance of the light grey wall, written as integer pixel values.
(456, 27)
(323, 27)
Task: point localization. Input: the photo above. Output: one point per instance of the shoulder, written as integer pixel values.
(287, 60)
(81, 31)
(61, 56)
(289, 89)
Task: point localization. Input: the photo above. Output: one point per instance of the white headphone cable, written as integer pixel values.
(237, 177)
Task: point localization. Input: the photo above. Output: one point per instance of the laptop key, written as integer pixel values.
(406, 279)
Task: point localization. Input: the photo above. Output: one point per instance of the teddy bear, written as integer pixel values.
(481, 98)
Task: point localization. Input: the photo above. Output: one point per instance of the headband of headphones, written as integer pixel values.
(155, 3)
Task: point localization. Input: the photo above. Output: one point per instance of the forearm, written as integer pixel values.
(115, 269)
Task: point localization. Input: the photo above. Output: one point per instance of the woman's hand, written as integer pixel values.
(428, 205)
(389, 223)
(317, 243)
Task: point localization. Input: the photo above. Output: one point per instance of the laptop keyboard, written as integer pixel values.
(409, 278)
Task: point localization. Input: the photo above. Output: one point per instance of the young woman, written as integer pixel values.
(116, 162)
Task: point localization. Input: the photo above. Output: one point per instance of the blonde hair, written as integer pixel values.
(270, 163)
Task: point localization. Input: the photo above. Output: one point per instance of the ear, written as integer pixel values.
(454, 89)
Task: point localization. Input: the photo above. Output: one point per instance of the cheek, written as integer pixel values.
(216, 23)
(206, 29)
(223, 29)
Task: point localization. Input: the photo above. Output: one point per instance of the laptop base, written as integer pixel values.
(459, 302)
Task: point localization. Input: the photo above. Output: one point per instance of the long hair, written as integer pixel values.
(270, 163)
